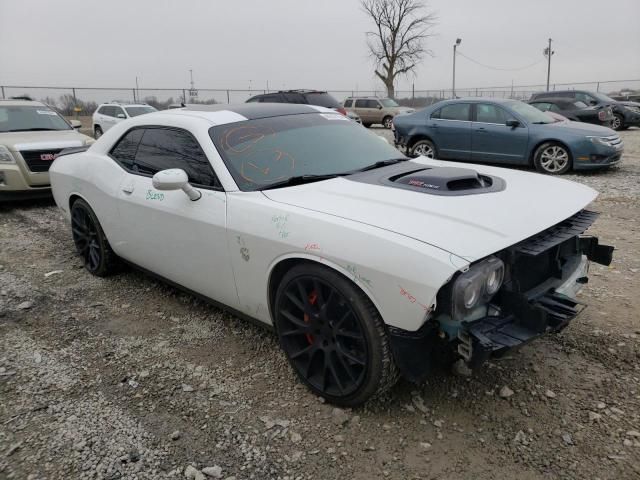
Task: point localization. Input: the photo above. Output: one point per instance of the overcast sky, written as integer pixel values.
(305, 43)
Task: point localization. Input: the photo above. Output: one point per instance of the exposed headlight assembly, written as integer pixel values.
(5, 155)
(476, 286)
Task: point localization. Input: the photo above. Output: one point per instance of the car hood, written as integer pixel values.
(41, 140)
(577, 128)
(468, 226)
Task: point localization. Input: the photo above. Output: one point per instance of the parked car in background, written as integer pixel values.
(625, 113)
(109, 114)
(375, 110)
(575, 110)
(280, 213)
(300, 97)
(506, 131)
(31, 135)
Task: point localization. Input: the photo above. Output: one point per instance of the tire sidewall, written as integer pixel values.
(620, 118)
(384, 121)
(97, 132)
(363, 308)
(537, 158)
(104, 266)
(424, 141)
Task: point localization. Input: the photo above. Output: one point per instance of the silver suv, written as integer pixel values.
(375, 110)
(108, 114)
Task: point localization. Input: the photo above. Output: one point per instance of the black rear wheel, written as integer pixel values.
(90, 241)
(618, 122)
(333, 336)
(97, 132)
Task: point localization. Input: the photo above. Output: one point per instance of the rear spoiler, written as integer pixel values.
(70, 150)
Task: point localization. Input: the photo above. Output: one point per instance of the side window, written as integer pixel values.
(554, 108)
(372, 104)
(348, 103)
(293, 98)
(585, 97)
(361, 103)
(162, 148)
(456, 111)
(253, 100)
(108, 111)
(102, 110)
(118, 111)
(125, 150)
(487, 113)
(436, 114)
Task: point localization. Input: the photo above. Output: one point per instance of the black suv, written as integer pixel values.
(625, 114)
(305, 97)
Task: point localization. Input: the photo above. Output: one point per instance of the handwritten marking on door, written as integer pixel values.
(151, 195)
(244, 251)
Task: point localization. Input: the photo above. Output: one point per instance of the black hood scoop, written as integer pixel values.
(449, 181)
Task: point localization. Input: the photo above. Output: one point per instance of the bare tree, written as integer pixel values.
(398, 42)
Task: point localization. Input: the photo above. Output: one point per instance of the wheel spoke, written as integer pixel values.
(349, 356)
(296, 301)
(334, 373)
(348, 334)
(301, 324)
(346, 367)
(304, 351)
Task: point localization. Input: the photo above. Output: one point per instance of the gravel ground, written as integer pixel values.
(127, 378)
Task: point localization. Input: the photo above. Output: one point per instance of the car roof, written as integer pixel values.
(123, 104)
(223, 113)
(14, 102)
(482, 100)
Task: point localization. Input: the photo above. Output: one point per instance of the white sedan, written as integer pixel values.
(367, 264)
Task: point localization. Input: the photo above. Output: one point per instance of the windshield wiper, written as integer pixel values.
(37, 129)
(541, 123)
(381, 163)
(299, 180)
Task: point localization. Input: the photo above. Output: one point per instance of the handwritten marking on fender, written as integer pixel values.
(151, 195)
(280, 222)
(412, 299)
(244, 251)
(353, 270)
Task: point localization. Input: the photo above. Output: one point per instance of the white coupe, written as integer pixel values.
(367, 264)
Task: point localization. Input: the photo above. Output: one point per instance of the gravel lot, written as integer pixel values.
(127, 378)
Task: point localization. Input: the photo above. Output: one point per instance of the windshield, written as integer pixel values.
(387, 102)
(135, 111)
(602, 97)
(268, 150)
(25, 118)
(529, 113)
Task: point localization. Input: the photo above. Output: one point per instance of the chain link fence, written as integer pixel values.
(83, 101)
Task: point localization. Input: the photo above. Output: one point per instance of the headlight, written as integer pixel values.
(599, 141)
(5, 155)
(476, 286)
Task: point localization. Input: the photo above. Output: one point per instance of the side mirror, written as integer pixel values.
(593, 102)
(76, 124)
(175, 179)
(379, 107)
(512, 123)
(121, 115)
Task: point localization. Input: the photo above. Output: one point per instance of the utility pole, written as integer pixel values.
(548, 52)
(137, 92)
(453, 87)
(191, 75)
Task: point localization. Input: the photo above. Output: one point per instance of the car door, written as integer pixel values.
(166, 233)
(362, 109)
(492, 140)
(450, 129)
(108, 119)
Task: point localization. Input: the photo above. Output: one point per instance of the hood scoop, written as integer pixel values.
(447, 181)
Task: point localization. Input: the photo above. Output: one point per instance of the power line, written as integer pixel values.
(499, 68)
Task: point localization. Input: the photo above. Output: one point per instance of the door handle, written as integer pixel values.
(433, 125)
(127, 189)
(481, 130)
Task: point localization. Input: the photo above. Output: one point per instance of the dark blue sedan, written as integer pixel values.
(508, 132)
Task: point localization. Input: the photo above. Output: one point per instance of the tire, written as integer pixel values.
(618, 122)
(552, 158)
(97, 132)
(424, 148)
(90, 241)
(368, 125)
(387, 122)
(333, 336)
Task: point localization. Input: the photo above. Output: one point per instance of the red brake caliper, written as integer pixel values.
(313, 297)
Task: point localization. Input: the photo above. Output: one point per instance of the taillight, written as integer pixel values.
(341, 110)
(602, 115)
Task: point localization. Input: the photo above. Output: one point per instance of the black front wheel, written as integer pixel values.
(333, 336)
(90, 241)
(618, 122)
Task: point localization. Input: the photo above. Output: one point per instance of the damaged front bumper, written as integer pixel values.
(546, 273)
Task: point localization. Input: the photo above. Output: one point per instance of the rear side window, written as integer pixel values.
(118, 111)
(348, 103)
(456, 111)
(361, 104)
(108, 111)
(487, 113)
(163, 148)
(125, 150)
(293, 98)
(322, 100)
